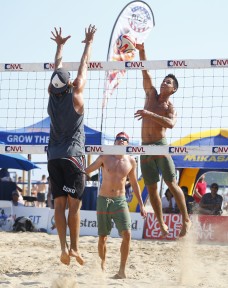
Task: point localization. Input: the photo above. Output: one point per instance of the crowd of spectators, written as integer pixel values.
(200, 202)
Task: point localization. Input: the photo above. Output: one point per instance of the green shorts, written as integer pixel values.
(153, 166)
(115, 209)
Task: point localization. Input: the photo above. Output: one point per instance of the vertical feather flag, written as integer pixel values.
(136, 19)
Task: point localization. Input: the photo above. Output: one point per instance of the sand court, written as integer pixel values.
(32, 260)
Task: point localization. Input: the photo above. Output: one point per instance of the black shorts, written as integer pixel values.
(67, 177)
(40, 197)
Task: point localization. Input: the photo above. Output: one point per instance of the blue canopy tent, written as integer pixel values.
(38, 134)
(193, 166)
(216, 137)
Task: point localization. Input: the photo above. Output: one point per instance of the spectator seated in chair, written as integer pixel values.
(211, 203)
(15, 199)
(168, 202)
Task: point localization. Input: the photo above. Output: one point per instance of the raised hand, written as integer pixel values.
(58, 37)
(89, 34)
(139, 47)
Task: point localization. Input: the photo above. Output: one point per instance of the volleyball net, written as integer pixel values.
(201, 103)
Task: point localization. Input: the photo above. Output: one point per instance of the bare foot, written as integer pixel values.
(77, 256)
(164, 230)
(119, 276)
(65, 257)
(185, 228)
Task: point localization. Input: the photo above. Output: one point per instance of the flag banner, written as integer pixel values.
(135, 20)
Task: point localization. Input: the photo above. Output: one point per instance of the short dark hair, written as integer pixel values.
(172, 76)
(215, 185)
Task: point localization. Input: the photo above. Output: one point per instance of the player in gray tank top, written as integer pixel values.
(66, 145)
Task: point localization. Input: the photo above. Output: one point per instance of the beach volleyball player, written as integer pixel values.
(157, 116)
(66, 144)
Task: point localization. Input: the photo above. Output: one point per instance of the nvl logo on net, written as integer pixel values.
(220, 149)
(13, 66)
(13, 149)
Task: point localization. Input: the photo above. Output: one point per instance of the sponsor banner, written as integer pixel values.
(152, 227)
(34, 138)
(201, 161)
(135, 19)
(205, 228)
(88, 224)
(38, 216)
(212, 228)
(6, 217)
(51, 228)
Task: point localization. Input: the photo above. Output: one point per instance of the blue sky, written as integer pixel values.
(194, 29)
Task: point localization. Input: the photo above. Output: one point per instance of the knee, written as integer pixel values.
(126, 235)
(103, 239)
(60, 207)
(173, 187)
(152, 189)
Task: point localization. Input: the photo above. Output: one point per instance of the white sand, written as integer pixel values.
(32, 260)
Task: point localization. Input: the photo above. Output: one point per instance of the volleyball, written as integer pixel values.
(125, 43)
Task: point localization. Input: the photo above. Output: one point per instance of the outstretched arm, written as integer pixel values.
(147, 79)
(95, 165)
(80, 80)
(60, 41)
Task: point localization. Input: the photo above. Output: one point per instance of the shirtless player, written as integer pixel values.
(111, 202)
(158, 115)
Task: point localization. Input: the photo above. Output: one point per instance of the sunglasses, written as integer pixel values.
(121, 138)
(214, 187)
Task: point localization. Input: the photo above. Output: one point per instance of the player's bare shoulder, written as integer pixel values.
(131, 159)
(152, 92)
(151, 98)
